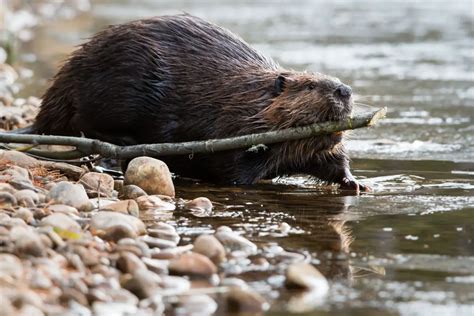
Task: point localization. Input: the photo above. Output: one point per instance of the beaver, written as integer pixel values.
(180, 78)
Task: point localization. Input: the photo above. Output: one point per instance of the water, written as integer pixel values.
(408, 247)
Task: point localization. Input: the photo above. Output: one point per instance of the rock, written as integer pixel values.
(25, 214)
(129, 263)
(126, 207)
(156, 265)
(100, 203)
(5, 187)
(245, 301)
(96, 183)
(199, 207)
(62, 208)
(27, 198)
(16, 171)
(18, 158)
(27, 242)
(153, 202)
(143, 283)
(115, 226)
(164, 234)
(22, 184)
(175, 283)
(10, 266)
(134, 246)
(118, 185)
(304, 275)
(192, 264)
(152, 175)
(234, 242)
(284, 228)
(131, 192)
(198, 304)
(210, 247)
(114, 308)
(7, 200)
(153, 242)
(70, 194)
(62, 222)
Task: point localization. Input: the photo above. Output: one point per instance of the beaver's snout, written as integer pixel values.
(343, 91)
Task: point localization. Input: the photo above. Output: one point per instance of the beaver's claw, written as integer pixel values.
(351, 184)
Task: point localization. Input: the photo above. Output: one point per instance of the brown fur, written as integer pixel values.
(180, 78)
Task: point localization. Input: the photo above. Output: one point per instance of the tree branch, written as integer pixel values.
(87, 146)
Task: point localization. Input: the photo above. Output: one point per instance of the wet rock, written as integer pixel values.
(10, 266)
(198, 304)
(192, 264)
(129, 263)
(210, 247)
(153, 202)
(246, 301)
(304, 275)
(234, 242)
(131, 192)
(62, 208)
(164, 234)
(284, 228)
(18, 158)
(199, 207)
(115, 226)
(114, 308)
(153, 242)
(27, 198)
(62, 222)
(96, 183)
(25, 214)
(152, 175)
(142, 283)
(27, 242)
(156, 265)
(70, 194)
(126, 207)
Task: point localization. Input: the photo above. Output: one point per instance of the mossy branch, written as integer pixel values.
(87, 146)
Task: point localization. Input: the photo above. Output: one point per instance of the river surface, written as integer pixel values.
(406, 249)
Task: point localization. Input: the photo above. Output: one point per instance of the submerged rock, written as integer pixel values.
(152, 175)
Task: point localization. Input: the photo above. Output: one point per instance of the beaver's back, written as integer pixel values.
(153, 80)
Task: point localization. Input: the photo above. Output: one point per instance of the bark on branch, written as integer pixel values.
(87, 146)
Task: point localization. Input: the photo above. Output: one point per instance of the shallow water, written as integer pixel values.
(408, 247)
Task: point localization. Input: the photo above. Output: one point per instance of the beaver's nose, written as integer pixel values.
(343, 91)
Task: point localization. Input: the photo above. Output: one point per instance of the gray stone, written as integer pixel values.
(70, 194)
(152, 175)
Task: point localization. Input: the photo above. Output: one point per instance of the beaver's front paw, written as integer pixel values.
(349, 183)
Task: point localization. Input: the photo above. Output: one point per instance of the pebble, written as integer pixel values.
(234, 242)
(96, 183)
(306, 276)
(152, 175)
(154, 242)
(156, 265)
(164, 234)
(210, 247)
(198, 304)
(142, 283)
(115, 226)
(62, 222)
(27, 242)
(129, 207)
(70, 194)
(7, 200)
(10, 266)
(246, 301)
(153, 202)
(27, 198)
(131, 192)
(62, 208)
(192, 263)
(129, 263)
(25, 214)
(199, 207)
(18, 158)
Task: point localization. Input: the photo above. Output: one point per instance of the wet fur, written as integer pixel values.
(180, 78)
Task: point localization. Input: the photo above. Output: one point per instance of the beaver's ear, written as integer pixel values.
(279, 86)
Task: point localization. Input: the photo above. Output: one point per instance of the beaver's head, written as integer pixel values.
(304, 98)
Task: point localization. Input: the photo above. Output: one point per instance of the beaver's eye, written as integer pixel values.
(311, 86)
